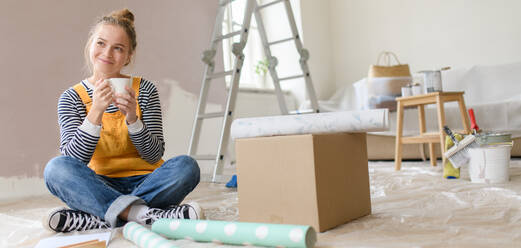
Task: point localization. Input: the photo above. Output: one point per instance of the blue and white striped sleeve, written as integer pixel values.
(78, 137)
(149, 141)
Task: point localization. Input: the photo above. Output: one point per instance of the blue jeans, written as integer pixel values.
(81, 188)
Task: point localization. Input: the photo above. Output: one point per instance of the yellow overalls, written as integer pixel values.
(115, 154)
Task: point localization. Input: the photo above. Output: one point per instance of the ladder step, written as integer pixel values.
(280, 41)
(226, 36)
(204, 157)
(269, 4)
(292, 77)
(225, 2)
(210, 115)
(304, 111)
(221, 74)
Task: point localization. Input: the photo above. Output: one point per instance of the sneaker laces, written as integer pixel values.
(80, 221)
(175, 212)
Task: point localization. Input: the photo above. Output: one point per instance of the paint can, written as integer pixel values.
(490, 164)
(432, 80)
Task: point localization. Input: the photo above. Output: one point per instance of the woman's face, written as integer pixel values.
(109, 50)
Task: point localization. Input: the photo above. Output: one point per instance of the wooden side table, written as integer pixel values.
(438, 98)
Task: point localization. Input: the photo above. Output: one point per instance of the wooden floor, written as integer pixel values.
(414, 207)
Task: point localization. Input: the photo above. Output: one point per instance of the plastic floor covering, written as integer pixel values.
(414, 207)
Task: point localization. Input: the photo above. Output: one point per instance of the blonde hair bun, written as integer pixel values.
(122, 14)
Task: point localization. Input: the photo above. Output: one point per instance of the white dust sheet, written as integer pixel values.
(414, 207)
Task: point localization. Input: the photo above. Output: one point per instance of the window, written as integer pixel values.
(253, 74)
(277, 27)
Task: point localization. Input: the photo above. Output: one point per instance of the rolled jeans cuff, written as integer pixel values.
(120, 204)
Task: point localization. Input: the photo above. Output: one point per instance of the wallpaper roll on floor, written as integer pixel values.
(145, 238)
(237, 233)
(372, 120)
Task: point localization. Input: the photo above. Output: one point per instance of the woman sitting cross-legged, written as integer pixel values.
(111, 170)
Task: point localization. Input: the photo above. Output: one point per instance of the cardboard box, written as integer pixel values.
(320, 180)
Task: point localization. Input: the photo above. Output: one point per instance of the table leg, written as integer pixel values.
(398, 144)
(421, 118)
(432, 156)
(441, 123)
(464, 116)
(421, 121)
(422, 152)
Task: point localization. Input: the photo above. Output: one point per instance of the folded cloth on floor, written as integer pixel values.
(330, 122)
(449, 171)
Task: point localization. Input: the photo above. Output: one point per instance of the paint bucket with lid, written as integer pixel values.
(490, 164)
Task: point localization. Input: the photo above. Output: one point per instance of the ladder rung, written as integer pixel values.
(211, 115)
(226, 36)
(269, 4)
(225, 2)
(221, 74)
(280, 41)
(304, 111)
(204, 157)
(292, 77)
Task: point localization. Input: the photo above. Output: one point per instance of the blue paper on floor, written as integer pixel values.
(232, 183)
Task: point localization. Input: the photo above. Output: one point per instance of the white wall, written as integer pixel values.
(425, 34)
(317, 33)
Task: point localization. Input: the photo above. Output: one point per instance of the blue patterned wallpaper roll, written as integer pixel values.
(145, 238)
(373, 120)
(237, 233)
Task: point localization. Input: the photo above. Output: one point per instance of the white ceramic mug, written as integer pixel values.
(406, 91)
(118, 84)
(416, 90)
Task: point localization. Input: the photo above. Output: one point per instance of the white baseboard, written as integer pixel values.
(20, 187)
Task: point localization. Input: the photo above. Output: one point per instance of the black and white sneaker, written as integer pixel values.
(190, 210)
(68, 220)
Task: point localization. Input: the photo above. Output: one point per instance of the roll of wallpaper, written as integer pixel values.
(237, 233)
(145, 238)
(330, 122)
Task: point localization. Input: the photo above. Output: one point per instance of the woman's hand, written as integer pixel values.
(127, 104)
(102, 97)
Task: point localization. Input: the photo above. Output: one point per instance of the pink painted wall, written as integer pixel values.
(41, 55)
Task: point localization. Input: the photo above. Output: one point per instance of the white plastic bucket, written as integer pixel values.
(490, 164)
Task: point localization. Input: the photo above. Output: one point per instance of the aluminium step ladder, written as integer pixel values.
(252, 8)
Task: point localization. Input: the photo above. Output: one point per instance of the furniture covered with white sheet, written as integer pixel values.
(494, 92)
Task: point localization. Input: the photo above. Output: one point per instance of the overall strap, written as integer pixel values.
(136, 81)
(82, 92)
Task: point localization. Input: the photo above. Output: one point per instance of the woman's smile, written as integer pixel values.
(105, 61)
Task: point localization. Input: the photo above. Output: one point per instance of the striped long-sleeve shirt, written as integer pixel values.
(79, 136)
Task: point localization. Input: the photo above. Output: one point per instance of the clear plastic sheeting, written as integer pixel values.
(413, 207)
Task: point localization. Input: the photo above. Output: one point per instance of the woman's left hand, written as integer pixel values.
(127, 104)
